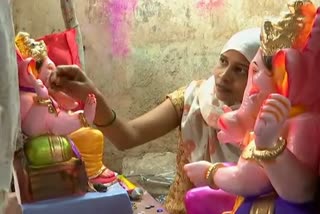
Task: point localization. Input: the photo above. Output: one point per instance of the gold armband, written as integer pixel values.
(83, 120)
(210, 173)
(251, 152)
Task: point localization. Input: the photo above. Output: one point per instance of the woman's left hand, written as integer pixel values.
(197, 172)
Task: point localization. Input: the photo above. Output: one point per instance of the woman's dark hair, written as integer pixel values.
(267, 60)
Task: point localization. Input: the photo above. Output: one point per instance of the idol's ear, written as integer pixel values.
(280, 74)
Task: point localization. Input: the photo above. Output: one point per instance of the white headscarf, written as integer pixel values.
(202, 108)
(247, 42)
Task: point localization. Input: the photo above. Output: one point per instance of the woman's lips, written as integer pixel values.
(222, 88)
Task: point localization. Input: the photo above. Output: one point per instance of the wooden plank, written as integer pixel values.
(71, 21)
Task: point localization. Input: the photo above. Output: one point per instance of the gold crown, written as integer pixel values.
(28, 47)
(291, 30)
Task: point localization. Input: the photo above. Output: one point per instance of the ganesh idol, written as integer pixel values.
(277, 127)
(48, 113)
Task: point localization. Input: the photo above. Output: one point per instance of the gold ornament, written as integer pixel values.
(28, 47)
(210, 173)
(251, 152)
(291, 30)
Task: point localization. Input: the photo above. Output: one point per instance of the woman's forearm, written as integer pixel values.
(128, 134)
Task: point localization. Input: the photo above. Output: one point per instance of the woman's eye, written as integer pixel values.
(242, 70)
(223, 61)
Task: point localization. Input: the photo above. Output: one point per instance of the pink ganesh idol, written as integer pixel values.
(46, 112)
(277, 125)
(40, 112)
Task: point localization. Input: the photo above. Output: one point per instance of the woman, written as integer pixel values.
(197, 105)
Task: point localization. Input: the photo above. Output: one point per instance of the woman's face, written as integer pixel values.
(231, 74)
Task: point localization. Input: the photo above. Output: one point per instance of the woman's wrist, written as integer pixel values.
(108, 122)
(105, 116)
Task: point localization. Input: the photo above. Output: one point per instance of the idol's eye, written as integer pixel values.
(254, 67)
(267, 60)
(50, 66)
(39, 64)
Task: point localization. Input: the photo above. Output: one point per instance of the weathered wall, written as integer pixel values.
(139, 50)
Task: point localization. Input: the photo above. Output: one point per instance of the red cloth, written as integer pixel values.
(62, 47)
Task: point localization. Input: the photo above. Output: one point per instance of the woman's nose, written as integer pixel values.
(225, 75)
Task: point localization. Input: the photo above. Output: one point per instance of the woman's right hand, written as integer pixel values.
(71, 80)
